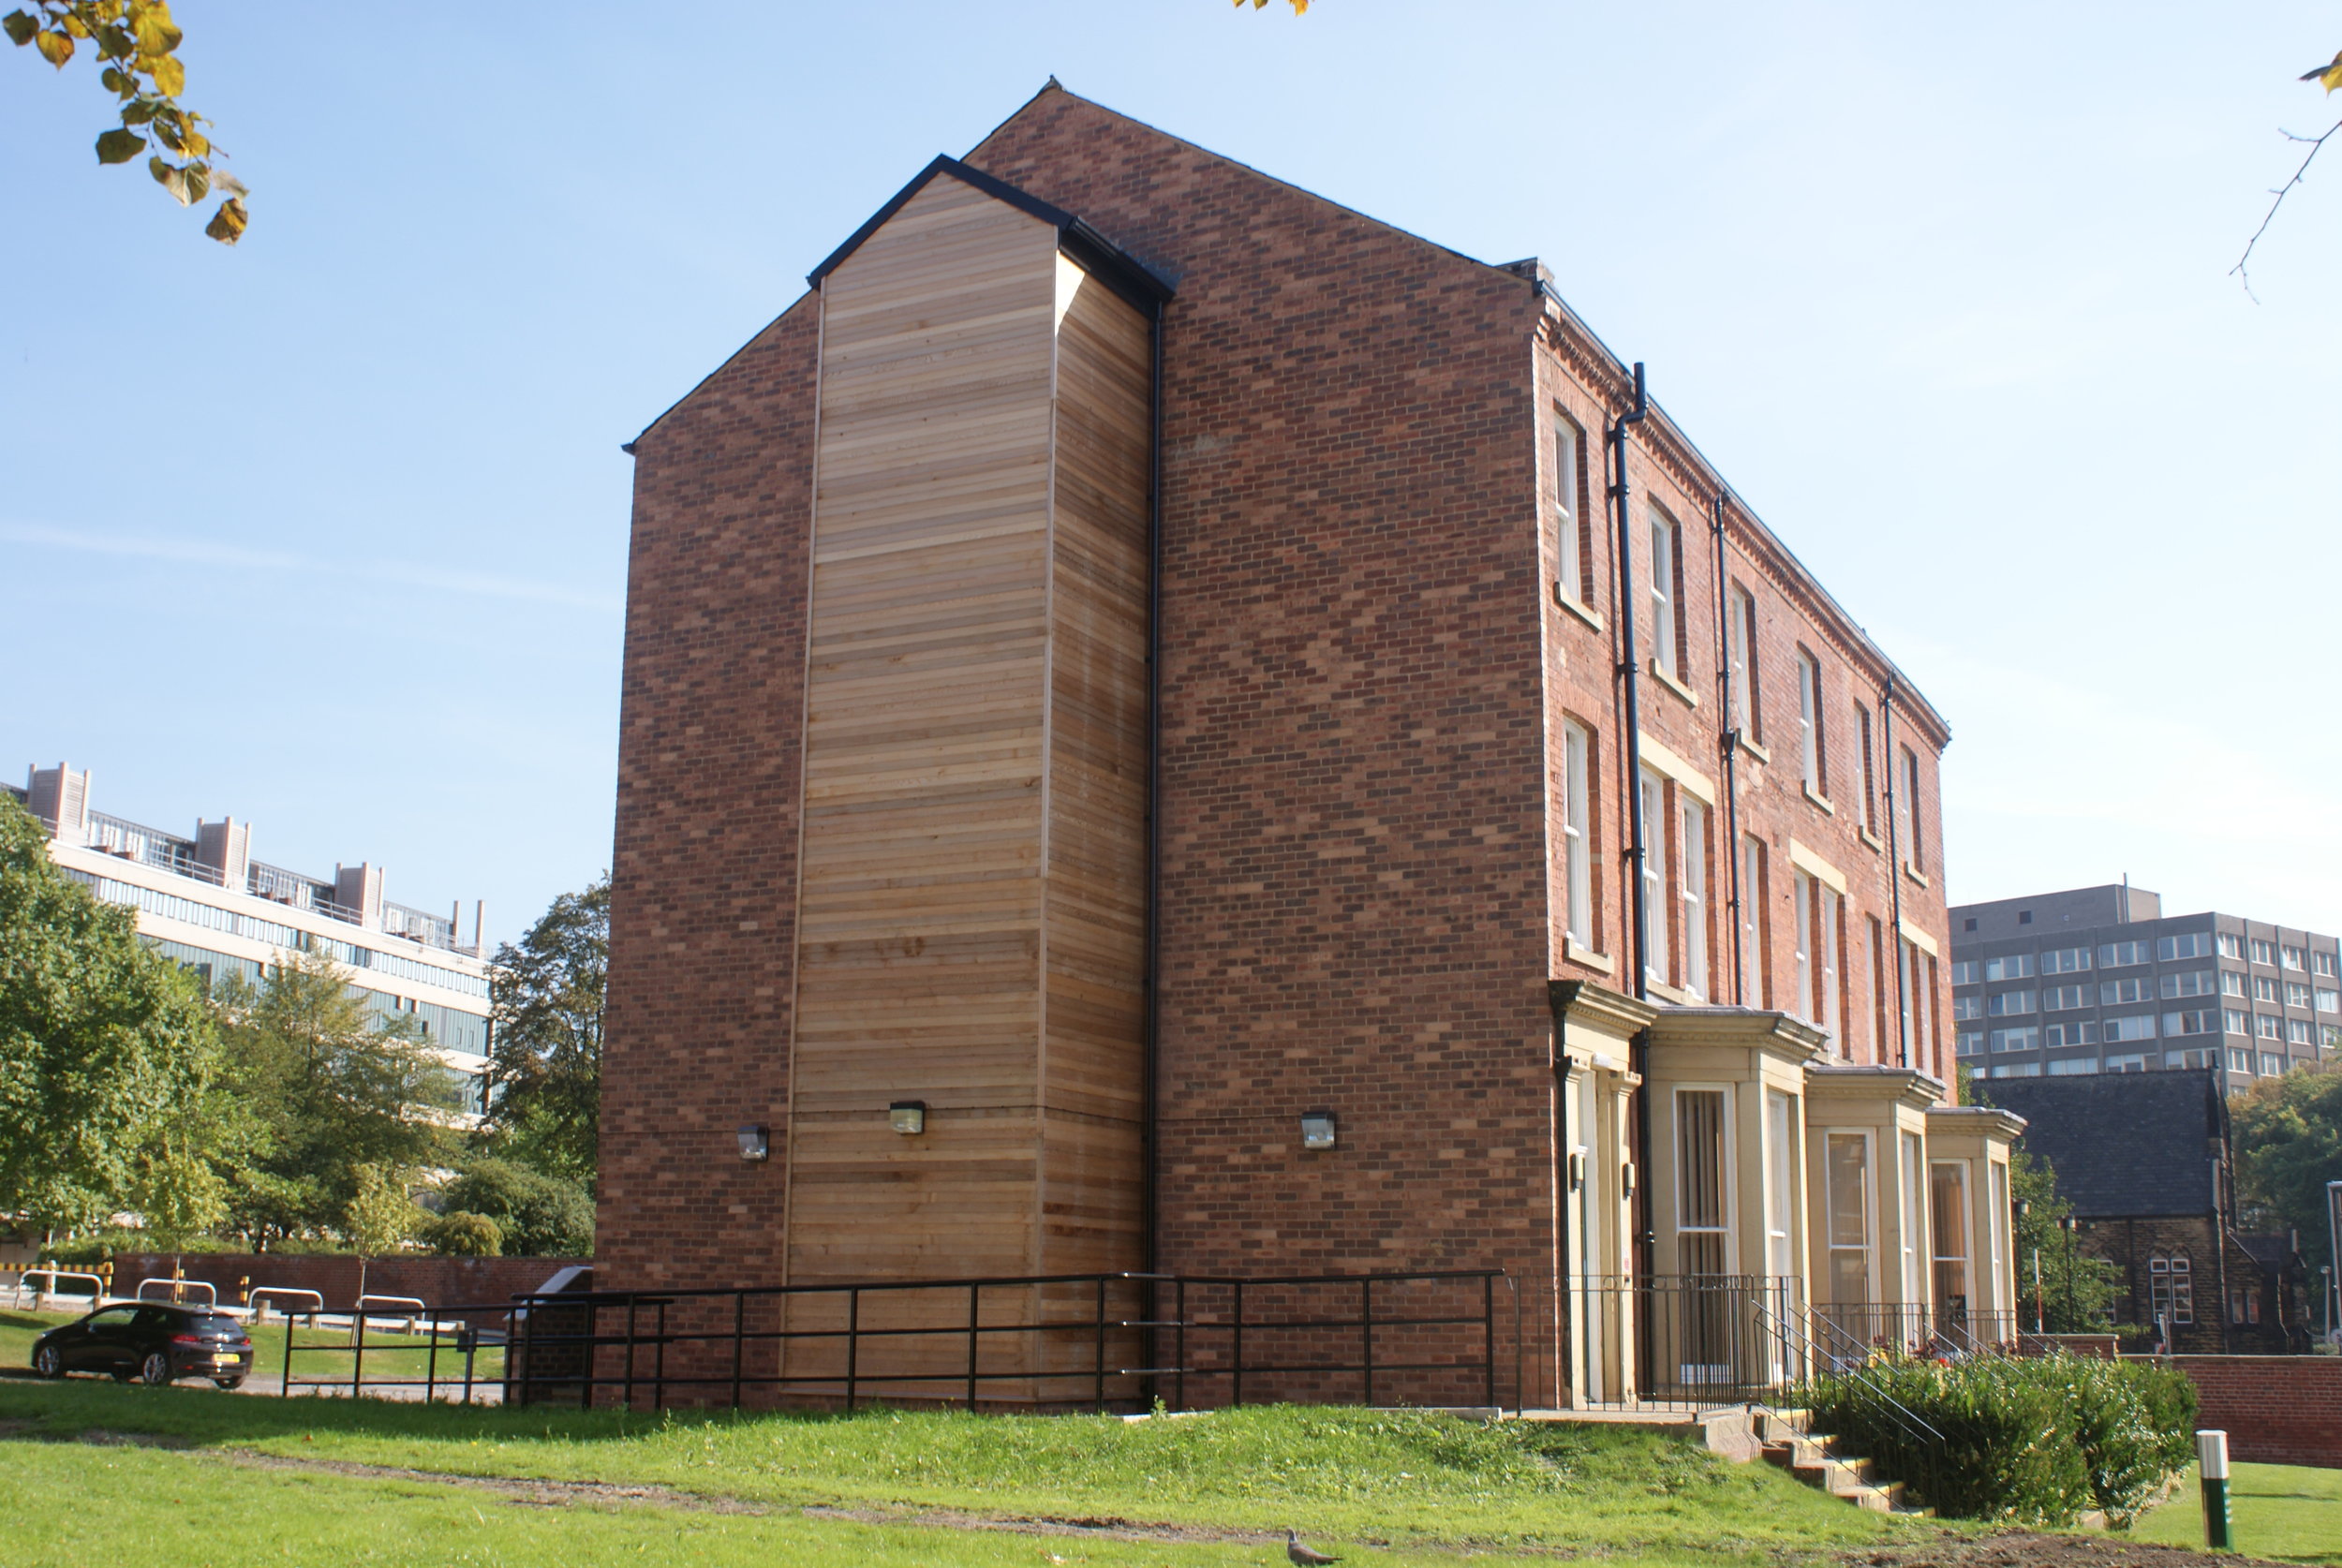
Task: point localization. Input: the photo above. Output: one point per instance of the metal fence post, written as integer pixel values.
(1366, 1326)
(739, 1339)
(586, 1371)
(658, 1363)
(853, 1341)
(1098, 1356)
(626, 1379)
(1236, 1360)
(1488, 1337)
(973, 1291)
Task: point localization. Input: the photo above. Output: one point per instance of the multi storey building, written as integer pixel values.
(2099, 980)
(1170, 724)
(204, 901)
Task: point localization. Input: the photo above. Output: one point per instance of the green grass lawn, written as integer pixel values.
(1380, 1487)
(318, 1352)
(2291, 1513)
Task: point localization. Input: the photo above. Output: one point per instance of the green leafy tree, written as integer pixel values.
(104, 1046)
(536, 1215)
(136, 44)
(545, 1056)
(382, 1215)
(2075, 1291)
(336, 1092)
(2287, 1137)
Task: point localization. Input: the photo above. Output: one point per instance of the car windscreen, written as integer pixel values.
(218, 1325)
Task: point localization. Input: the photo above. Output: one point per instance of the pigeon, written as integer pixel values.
(1302, 1557)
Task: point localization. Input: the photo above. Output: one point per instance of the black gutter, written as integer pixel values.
(1731, 741)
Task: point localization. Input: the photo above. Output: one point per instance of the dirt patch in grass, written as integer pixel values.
(2030, 1549)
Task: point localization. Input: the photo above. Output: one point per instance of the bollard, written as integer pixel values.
(2211, 1463)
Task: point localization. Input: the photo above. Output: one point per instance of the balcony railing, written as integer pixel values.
(1685, 1341)
(295, 891)
(432, 930)
(146, 846)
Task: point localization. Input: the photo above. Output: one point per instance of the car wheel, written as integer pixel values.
(154, 1371)
(48, 1363)
(232, 1384)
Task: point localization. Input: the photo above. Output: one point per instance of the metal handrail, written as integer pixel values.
(211, 1296)
(1915, 1426)
(252, 1299)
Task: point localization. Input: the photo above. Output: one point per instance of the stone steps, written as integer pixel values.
(1790, 1441)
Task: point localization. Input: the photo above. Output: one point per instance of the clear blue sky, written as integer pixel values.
(329, 531)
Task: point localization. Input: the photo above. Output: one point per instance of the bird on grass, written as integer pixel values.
(1302, 1557)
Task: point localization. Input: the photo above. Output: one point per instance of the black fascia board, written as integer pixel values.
(1095, 253)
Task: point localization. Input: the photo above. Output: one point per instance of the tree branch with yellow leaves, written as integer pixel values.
(2330, 76)
(136, 43)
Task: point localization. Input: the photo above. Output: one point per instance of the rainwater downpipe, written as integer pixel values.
(1630, 667)
(1907, 1022)
(1155, 798)
(1732, 754)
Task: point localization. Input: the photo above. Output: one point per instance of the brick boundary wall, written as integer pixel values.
(440, 1282)
(2276, 1410)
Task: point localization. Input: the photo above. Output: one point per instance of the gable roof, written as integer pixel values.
(1097, 254)
(2124, 1145)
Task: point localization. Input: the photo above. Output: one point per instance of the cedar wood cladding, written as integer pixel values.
(1361, 668)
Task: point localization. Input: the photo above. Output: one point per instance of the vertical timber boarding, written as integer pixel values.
(971, 920)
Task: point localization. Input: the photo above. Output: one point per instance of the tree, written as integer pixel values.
(462, 1234)
(536, 1215)
(546, 1051)
(136, 46)
(337, 1092)
(2330, 76)
(2287, 1137)
(382, 1215)
(104, 1046)
(2069, 1292)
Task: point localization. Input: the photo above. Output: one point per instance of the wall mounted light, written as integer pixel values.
(1577, 1170)
(1626, 1180)
(908, 1117)
(1317, 1130)
(756, 1143)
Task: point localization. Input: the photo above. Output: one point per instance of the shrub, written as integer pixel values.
(2037, 1439)
(538, 1215)
(462, 1234)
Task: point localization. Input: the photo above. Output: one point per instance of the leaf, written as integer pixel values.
(222, 180)
(198, 181)
(19, 27)
(120, 146)
(156, 35)
(171, 76)
(227, 225)
(55, 48)
(2329, 75)
(139, 111)
(171, 178)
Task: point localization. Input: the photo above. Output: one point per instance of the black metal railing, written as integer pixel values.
(1826, 1359)
(1098, 1341)
(1683, 1340)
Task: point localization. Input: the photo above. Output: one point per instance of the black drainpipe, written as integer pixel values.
(1731, 753)
(1629, 666)
(1559, 995)
(1154, 794)
(1906, 1022)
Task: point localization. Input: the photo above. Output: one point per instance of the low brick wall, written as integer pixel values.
(440, 1282)
(2276, 1410)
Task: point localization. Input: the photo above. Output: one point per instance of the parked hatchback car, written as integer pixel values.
(153, 1343)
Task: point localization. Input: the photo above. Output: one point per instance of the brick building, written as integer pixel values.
(2146, 1163)
(1139, 748)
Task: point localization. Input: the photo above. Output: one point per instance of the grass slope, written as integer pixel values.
(1350, 1476)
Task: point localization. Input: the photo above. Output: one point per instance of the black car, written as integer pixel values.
(153, 1343)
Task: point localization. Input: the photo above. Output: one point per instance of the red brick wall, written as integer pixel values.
(1353, 891)
(703, 897)
(2276, 1410)
(440, 1282)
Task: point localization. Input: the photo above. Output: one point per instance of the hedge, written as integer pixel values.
(2035, 1439)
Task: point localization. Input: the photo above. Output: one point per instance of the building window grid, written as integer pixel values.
(1578, 832)
(1870, 771)
(1569, 542)
(1916, 851)
(1666, 593)
(1693, 890)
(1813, 750)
